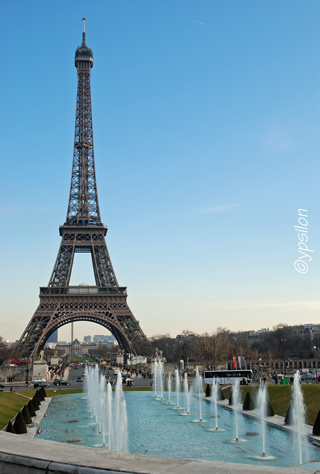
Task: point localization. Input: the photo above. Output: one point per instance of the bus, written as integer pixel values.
(228, 377)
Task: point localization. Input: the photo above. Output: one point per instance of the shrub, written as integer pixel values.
(248, 403)
(31, 408)
(19, 424)
(269, 409)
(40, 393)
(10, 428)
(316, 426)
(26, 415)
(289, 416)
(35, 403)
(220, 394)
(231, 397)
(37, 397)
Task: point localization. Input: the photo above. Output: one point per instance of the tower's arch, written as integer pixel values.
(103, 319)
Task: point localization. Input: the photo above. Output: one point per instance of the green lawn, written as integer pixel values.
(280, 395)
(137, 389)
(52, 392)
(10, 404)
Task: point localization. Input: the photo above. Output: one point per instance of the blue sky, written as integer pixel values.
(206, 135)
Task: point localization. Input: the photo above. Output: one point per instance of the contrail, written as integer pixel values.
(199, 22)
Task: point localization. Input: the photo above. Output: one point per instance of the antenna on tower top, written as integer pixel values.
(84, 31)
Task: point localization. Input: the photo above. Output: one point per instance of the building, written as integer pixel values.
(54, 337)
(104, 338)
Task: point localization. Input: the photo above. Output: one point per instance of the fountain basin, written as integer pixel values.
(153, 426)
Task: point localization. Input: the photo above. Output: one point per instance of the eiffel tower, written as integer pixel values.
(106, 302)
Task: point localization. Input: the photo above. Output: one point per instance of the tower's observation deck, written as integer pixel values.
(83, 55)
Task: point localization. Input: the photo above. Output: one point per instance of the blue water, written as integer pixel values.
(156, 428)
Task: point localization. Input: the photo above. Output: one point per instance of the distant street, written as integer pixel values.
(71, 375)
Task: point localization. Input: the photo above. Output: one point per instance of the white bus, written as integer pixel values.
(228, 377)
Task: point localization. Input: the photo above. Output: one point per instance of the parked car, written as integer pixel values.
(307, 377)
(2, 386)
(38, 379)
(61, 382)
(79, 379)
(40, 384)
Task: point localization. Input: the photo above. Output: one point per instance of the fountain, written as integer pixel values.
(158, 377)
(169, 388)
(214, 401)
(299, 415)
(263, 400)
(187, 393)
(145, 437)
(199, 392)
(161, 376)
(177, 380)
(155, 377)
(235, 399)
(109, 411)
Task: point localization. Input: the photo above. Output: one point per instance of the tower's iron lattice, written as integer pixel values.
(105, 303)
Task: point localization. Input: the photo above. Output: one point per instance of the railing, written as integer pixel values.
(84, 290)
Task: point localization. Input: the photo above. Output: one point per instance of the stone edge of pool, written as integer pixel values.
(26, 455)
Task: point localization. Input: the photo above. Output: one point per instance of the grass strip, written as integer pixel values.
(52, 392)
(280, 396)
(10, 404)
(137, 389)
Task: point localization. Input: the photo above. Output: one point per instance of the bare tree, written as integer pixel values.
(213, 348)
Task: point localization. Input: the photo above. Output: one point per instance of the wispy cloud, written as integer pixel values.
(293, 306)
(213, 210)
(277, 139)
(8, 211)
(199, 22)
(162, 294)
(290, 305)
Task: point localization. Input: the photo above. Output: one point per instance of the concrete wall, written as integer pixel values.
(19, 373)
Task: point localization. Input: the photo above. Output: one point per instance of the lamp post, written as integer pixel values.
(27, 375)
(315, 356)
(284, 362)
(179, 337)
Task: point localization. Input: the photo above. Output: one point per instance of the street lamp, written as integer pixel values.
(27, 375)
(179, 337)
(315, 356)
(284, 362)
